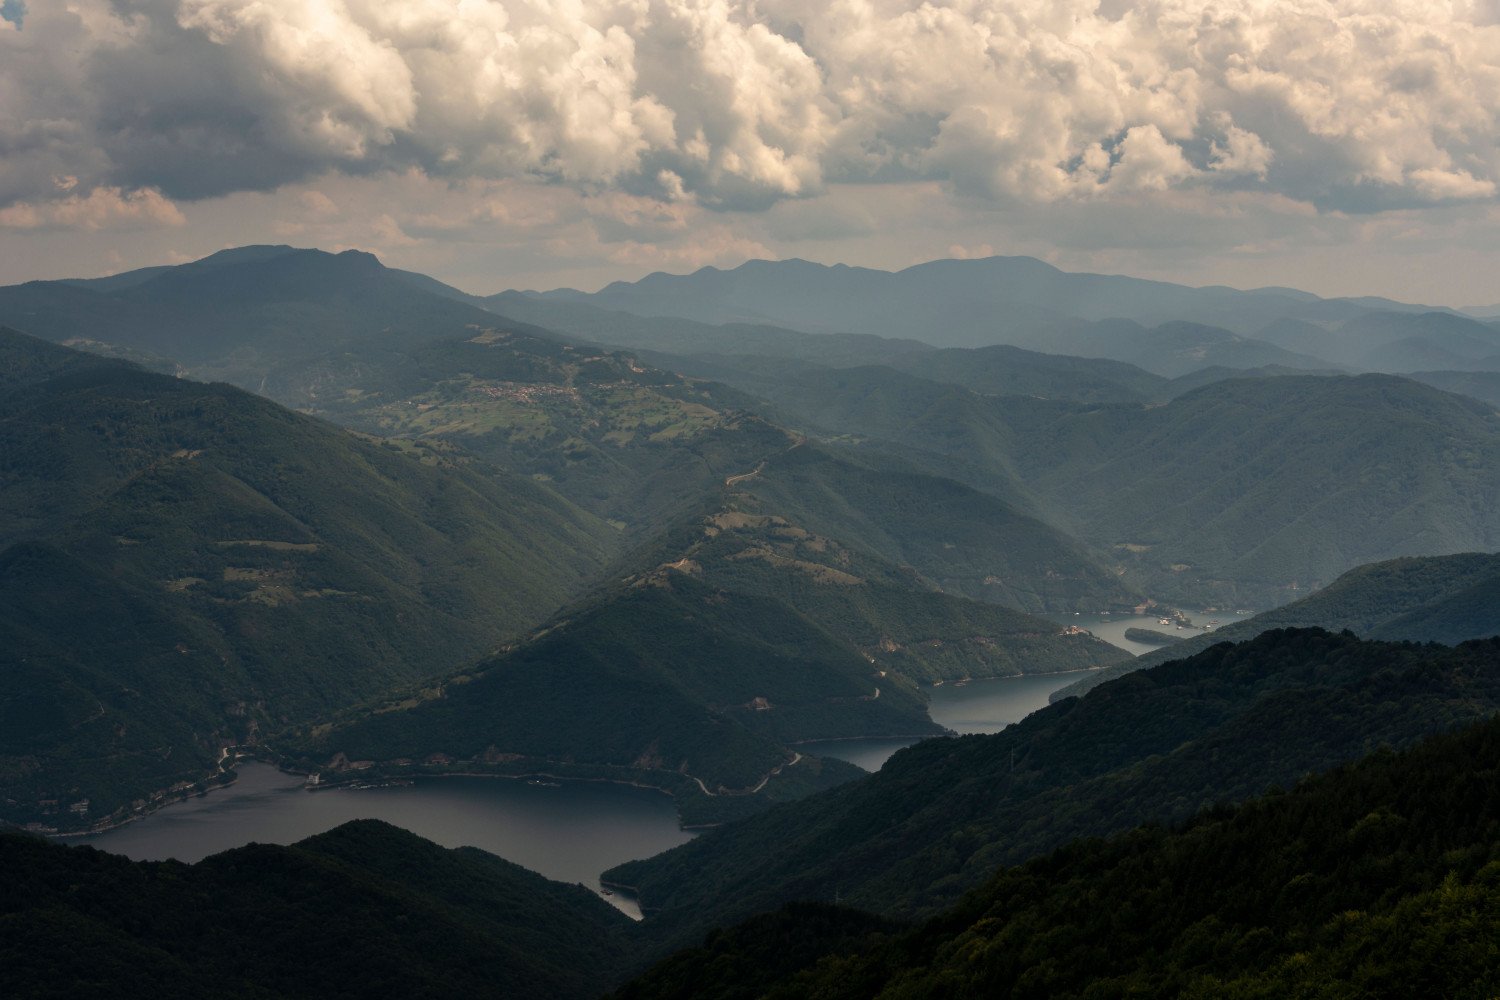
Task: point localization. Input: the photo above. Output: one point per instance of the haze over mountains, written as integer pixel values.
(675, 532)
(1170, 329)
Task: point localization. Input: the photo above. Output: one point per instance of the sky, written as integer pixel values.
(1341, 146)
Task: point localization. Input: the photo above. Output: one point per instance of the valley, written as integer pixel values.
(624, 596)
(749, 500)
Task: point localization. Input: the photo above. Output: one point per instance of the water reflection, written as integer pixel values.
(981, 706)
(570, 832)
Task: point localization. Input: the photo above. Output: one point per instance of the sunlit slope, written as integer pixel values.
(644, 446)
(637, 445)
(901, 622)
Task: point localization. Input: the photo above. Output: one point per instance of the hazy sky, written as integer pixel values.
(1336, 145)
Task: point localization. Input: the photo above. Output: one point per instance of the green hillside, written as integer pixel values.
(644, 446)
(1447, 599)
(667, 682)
(896, 619)
(636, 445)
(363, 910)
(1156, 746)
(1245, 492)
(1380, 879)
(739, 635)
(187, 565)
(968, 542)
(1250, 492)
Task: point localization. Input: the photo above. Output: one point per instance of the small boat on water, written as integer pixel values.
(538, 783)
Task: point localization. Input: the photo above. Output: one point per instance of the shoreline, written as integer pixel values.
(247, 754)
(945, 734)
(153, 808)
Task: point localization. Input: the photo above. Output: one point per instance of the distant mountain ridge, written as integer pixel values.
(238, 314)
(1168, 328)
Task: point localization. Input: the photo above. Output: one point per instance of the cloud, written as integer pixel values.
(1353, 105)
(102, 208)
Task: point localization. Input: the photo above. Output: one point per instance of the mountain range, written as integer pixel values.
(1167, 328)
(676, 532)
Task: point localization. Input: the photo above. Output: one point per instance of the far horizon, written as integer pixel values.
(1485, 310)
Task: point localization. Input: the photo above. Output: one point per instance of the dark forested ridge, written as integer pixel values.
(255, 542)
(968, 542)
(364, 910)
(898, 619)
(1379, 879)
(188, 565)
(1156, 745)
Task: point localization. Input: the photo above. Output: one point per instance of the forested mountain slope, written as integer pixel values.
(1379, 879)
(1249, 491)
(186, 565)
(1155, 746)
(1245, 492)
(636, 445)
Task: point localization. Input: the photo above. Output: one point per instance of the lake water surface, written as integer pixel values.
(980, 706)
(571, 833)
(988, 706)
(1111, 628)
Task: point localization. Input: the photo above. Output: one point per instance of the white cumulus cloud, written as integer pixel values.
(1356, 105)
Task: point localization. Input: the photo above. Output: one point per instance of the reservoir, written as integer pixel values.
(570, 833)
(989, 705)
(980, 706)
(1111, 627)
